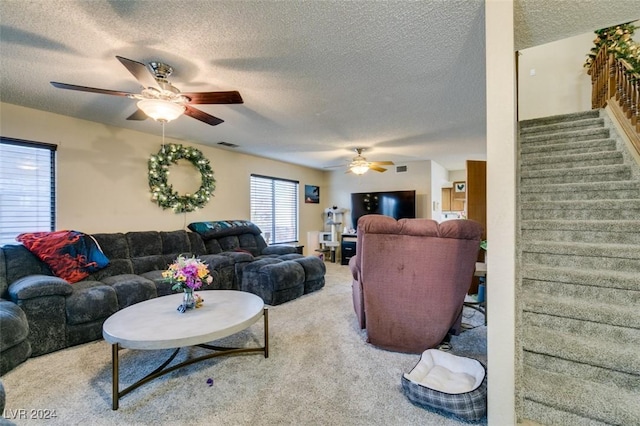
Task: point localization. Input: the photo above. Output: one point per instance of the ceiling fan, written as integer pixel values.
(159, 99)
(359, 165)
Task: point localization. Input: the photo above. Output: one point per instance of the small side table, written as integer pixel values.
(481, 271)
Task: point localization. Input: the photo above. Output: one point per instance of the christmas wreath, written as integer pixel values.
(162, 192)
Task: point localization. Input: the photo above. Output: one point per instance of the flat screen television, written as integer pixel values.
(397, 204)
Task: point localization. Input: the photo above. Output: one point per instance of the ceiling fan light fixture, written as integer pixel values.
(161, 110)
(360, 169)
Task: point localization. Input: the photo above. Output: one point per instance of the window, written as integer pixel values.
(274, 208)
(27, 188)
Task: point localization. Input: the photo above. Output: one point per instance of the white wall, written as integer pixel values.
(561, 84)
(340, 185)
(102, 176)
(439, 179)
(501, 210)
(457, 175)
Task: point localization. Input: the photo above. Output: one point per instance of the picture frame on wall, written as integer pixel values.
(311, 194)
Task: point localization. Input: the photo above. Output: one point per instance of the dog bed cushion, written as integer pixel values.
(448, 384)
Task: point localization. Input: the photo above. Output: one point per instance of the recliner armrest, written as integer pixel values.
(353, 266)
(37, 286)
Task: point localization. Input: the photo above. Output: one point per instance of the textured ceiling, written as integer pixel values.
(404, 79)
(543, 21)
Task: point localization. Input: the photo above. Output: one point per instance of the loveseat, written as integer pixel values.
(42, 313)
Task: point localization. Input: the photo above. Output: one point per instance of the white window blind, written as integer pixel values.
(274, 208)
(27, 188)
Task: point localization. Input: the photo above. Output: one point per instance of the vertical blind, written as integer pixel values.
(27, 188)
(274, 208)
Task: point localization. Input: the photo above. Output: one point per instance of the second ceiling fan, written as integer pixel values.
(159, 99)
(360, 165)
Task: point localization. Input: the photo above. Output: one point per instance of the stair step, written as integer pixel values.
(581, 210)
(625, 282)
(613, 257)
(585, 329)
(604, 158)
(587, 231)
(558, 127)
(605, 376)
(536, 414)
(605, 249)
(585, 310)
(582, 191)
(593, 401)
(591, 210)
(609, 294)
(576, 175)
(568, 148)
(564, 137)
(561, 118)
(613, 356)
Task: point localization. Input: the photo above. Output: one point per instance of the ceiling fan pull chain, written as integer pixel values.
(162, 122)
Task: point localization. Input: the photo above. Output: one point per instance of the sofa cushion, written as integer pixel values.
(175, 242)
(163, 285)
(114, 246)
(151, 263)
(229, 243)
(90, 301)
(15, 327)
(197, 244)
(116, 267)
(144, 243)
(274, 280)
(213, 246)
(20, 262)
(70, 255)
(131, 289)
(239, 256)
(249, 242)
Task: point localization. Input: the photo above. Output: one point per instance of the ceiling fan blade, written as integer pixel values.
(140, 72)
(382, 163)
(139, 115)
(231, 97)
(202, 116)
(89, 89)
(376, 168)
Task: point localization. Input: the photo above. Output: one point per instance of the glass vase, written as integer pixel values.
(187, 299)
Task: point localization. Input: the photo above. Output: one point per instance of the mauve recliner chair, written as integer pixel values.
(410, 278)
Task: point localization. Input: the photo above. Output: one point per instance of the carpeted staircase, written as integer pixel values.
(579, 323)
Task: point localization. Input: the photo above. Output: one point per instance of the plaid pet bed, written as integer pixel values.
(468, 406)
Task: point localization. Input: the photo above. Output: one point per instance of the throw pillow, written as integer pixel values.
(223, 228)
(71, 255)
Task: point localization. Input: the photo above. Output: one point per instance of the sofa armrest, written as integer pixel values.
(278, 249)
(33, 286)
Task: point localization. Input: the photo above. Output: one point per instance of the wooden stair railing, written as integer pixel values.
(613, 85)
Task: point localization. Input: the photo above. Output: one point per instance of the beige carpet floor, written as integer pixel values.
(320, 371)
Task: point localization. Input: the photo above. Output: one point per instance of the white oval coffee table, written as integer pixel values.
(157, 324)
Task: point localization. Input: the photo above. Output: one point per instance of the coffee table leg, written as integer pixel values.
(266, 333)
(115, 380)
